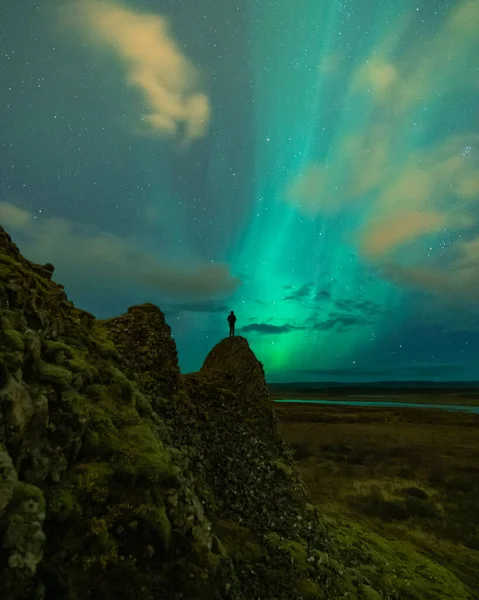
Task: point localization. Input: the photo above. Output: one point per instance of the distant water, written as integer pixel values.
(384, 404)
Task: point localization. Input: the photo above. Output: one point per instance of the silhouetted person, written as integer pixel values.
(232, 321)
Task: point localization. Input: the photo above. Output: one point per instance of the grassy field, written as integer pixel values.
(409, 474)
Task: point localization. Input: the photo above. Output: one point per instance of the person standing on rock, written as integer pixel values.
(232, 321)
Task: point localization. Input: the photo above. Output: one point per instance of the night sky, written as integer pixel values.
(311, 164)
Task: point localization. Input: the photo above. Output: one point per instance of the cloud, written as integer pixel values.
(435, 64)
(154, 62)
(366, 307)
(431, 191)
(377, 75)
(340, 323)
(354, 313)
(403, 184)
(198, 307)
(266, 328)
(422, 277)
(347, 305)
(308, 190)
(402, 200)
(382, 235)
(457, 277)
(95, 256)
(349, 311)
(302, 292)
(15, 218)
(364, 157)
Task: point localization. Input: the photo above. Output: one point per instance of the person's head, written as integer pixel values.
(232, 313)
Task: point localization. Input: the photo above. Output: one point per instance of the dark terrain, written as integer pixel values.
(409, 474)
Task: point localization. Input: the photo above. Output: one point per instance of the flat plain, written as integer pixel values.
(409, 474)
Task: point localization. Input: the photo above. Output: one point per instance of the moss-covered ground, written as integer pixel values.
(410, 475)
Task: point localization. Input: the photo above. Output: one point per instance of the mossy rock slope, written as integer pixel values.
(122, 479)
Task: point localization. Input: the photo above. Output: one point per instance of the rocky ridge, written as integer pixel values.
(121, 478)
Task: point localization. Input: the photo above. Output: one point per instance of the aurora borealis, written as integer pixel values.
(312, 165)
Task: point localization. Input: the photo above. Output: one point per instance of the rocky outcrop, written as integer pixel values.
(247, 460)
(147, 349)
(93, 500)
(120, 478)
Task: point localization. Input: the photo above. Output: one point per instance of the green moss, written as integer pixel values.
(10, 361)
(238, 542)
(98, 392)
(368, 593)
(213, 560)
(72, 358)
(120, 387)
(288, 471)
(14, 340)
(296, 551)
(157, 519)
(26, 491)
(9, 266)
(141, 403)
(309, 589)
(112, 396)
(92, 479)
(56, 351)
(5, 270)
(151, 467)
(78, 403)
(62, 504)
(102, 438)
(102, 342)
(77, 365)
(53, 374)
(382, 567)
(14, 269)
(117, 431)
(145, 456)
(114, 375)
(80, 364)
(104, 547)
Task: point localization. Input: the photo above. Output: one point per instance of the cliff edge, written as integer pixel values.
(122, 478)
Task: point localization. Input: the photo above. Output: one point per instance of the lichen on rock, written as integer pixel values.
(21, 524)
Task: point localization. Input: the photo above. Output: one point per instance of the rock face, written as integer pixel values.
(121, 478)
(147, 349)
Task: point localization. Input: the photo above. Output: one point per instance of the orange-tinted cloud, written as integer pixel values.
(402, 198)
(376, 75)
(394, 229)
(427, 69)
(456, 280)
(154, 62)
(308, 190)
